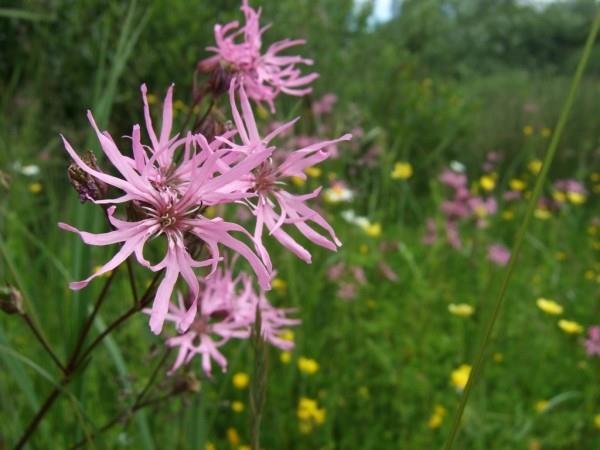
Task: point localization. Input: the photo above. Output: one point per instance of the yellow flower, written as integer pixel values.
(279, 285)
(460, 376)
(542, 214)
(35, 188)
(545, 132)
(589, 275)
(178, 105)
(570, 326)
(541, 406)
(597, 421)
(487, 183)
(549, 306)
(363, 392)
(210, 212)
(232, 436)
(262, 112)
(560, 256)
(517, 185)
(237, 406)
(372, 229)
(402, 171)
(437, 417)
(308, 366)
(314, 172)
(461, 309)
(285, 357)
(577, 198)
(498, 357)
(240, 380)
(508, 214)
(298, 181)
(535, 166)
(527, 130)
(309, 414)
(287, 335)
(559, 196)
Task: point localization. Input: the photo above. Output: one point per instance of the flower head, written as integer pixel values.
(228, 307)
(460, 376)
(274, 206)
(168, 200)
(263, 75)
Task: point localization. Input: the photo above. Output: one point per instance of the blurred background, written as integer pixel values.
(390, 322)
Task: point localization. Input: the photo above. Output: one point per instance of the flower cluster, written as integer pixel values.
(169, 182)
(263, 75)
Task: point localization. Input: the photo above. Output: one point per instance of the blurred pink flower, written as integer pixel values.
(347, 291)
(592, 343)
(430, 236)
(387, 271)
(498, 254)
(335, 271)
(263, 75)
(324, 105)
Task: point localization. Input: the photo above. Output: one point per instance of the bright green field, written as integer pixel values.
(386, 358)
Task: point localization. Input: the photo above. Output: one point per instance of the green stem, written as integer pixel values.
(489, 327)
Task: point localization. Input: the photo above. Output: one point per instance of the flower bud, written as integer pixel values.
(11, 300)
(88, 187)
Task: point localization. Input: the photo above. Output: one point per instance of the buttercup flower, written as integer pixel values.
(549, 306)
(263, 75)
(460, 376)
(570, 326)
(461, 309)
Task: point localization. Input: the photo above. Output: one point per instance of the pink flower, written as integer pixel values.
(263, 75)
(274, 206)
(227, 311)
(592, 343)
(453, 179)
(430, 236)
(498, 254)
(324, 105)
(168, 199)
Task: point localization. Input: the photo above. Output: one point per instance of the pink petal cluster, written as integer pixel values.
(460, 207)
(229, 305)
(498, 254)
(592, 343)
(263, 75)
(274, 207)
(170, 197)
(169, 184)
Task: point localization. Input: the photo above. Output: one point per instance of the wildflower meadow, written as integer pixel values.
(298, 224)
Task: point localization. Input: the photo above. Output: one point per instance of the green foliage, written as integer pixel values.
(444, 80)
